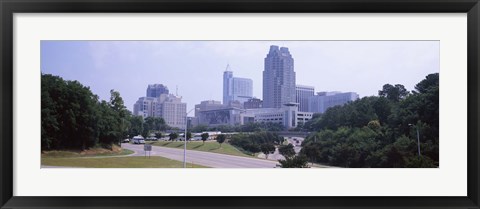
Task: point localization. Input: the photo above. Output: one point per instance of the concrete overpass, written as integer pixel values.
(292, 134)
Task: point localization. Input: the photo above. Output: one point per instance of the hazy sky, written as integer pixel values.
(196, 67)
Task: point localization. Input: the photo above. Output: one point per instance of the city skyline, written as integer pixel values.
(196, 67)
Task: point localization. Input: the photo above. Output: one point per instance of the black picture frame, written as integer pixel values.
(10, 7)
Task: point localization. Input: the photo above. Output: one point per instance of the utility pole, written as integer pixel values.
(185, 140)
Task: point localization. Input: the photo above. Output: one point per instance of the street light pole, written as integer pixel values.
(185, 140)
(418, 139)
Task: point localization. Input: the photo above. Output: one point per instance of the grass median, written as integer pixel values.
(209, 146)
(93, 152)
(117, 162)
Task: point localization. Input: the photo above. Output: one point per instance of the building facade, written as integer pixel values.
(223, 116)
(146, 107)
(278, 78)
(324, 100)
(208, 105)
(155, 90)
(172, 110)
(253, 103)
(288, 116)
(302, 95)
(167, 106)
(236, 89)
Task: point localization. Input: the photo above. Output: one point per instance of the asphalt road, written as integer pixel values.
(277, 156)
(209, 159)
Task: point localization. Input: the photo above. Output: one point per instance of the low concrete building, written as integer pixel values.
(288, 116)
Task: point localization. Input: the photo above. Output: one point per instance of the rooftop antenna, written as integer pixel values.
(176, 91)
(228, 67)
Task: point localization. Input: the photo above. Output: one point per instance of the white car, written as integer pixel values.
(138, 140)
(126, 140)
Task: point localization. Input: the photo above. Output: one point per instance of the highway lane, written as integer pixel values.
(209, 159)
(291, 140)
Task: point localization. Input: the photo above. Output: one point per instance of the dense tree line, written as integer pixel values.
(248, 127)
(73, 117)
(379, 131)
(253, 143)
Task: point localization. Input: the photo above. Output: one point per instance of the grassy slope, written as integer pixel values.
(93, 153)
(117, 162)
(209, 146)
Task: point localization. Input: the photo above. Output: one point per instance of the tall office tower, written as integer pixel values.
(227, 85)
(303, 93)
(278, 78)
(236, 89)
(155, 90)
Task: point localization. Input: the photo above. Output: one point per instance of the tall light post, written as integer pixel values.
(185, 140)
(418, 139)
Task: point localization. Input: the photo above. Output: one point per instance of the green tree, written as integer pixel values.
(204, 137)
(173, 136)
(154, 125)
(251, 142)
(311, 151)
(120, 113)
(200, 128)
(253, 148)
(251, 127)
(430, 81)
(108, 126)
(374, 124)
(286, 150)
(299, 161)
(74, 118)
(267, 149)
(136, 125)
(221, 138)
(68, 114)
(189, 135)
(158, 135)
(393, 93)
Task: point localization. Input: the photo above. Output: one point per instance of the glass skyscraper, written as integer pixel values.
(302, 94)
(236, 89)
(324, 100)
(278, 78)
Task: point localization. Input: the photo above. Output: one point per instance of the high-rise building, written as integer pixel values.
(146, 107)
(236, 89)
(227, 85)
(278, 78)
(155, 90)
(172, 110)
(302, 95)
(167, 106)
(324, 100)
